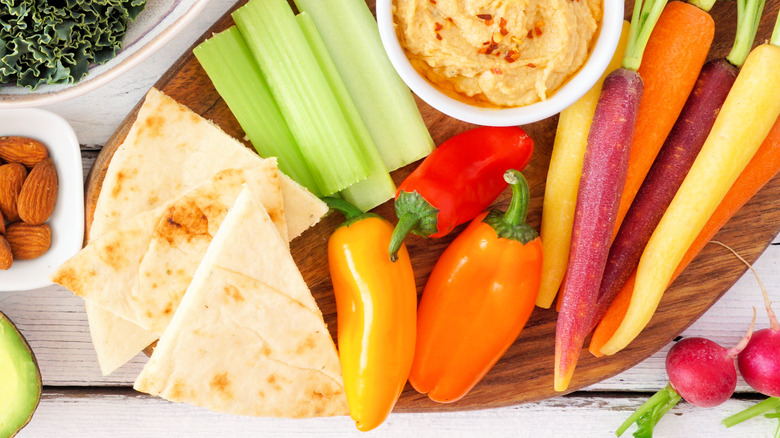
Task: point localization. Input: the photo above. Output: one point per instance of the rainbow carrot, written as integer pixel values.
(761, 169)
(745, 119)
(673, 58)
(563, 179)
(675, 158)
(603, 175)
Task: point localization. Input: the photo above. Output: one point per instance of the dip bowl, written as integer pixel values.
(582, 81)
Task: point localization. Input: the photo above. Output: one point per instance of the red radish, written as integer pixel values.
(700, 371)
(759, 362)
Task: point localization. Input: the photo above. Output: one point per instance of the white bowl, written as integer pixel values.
(157, 24)
(576, 87)
(67, 220)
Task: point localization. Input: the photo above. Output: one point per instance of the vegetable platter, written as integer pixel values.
(525, 373)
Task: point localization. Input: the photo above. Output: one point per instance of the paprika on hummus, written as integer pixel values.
(497, 52)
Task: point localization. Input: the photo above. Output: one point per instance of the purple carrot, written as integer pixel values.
(601, 185)
(665, 176)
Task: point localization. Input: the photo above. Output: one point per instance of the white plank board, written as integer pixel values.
(76, 413)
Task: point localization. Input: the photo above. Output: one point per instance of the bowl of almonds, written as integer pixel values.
(41, 197)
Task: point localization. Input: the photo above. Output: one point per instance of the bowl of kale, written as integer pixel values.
(52, 50)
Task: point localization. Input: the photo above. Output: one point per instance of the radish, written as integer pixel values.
(759, 362)
(700, 371)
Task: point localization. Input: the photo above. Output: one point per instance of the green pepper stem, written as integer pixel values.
(643, 21)
(652, 410)
(405, 224)
(348, 210)
(521, 195)
(757, 409)
(748, 17)
(775, 41)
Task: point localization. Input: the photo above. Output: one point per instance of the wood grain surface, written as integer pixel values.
(524, 374)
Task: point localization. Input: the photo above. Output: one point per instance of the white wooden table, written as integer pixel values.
(78, 401)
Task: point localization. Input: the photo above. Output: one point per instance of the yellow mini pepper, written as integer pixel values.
(376, 301)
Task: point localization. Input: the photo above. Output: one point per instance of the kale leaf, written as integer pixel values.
(55, 41)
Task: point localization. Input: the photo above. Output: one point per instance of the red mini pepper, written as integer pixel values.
(477, 299)
(459, 180)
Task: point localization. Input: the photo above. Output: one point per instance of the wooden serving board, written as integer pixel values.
(525, 373)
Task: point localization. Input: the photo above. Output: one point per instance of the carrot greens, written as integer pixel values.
(643, 21)
(749, 15)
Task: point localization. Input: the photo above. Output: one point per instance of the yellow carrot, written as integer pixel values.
(745, 119)
(563, 180)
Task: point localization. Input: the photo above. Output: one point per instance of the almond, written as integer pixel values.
(2, 224)
(28, 241)
(11, 180)
(6, 259)
(22, 150)
(39, 193)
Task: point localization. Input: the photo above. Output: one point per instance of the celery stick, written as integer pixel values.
(299, 87)
(378, 187)
(229, 64)
(386, 104)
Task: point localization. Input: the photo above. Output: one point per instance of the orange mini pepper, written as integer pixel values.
(477, 299)
(376, 302)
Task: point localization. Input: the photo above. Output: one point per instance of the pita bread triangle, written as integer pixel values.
(168, 150)
(158, 251)
(248, 338)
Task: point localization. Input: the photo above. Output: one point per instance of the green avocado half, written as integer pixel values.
(20, 380)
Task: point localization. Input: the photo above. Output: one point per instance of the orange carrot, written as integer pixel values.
(671, 63)
(761, 168)
(613, 317)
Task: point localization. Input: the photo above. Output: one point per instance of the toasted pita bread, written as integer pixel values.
(116, 351)
(248, 338)
(158, 251)
(168, 150)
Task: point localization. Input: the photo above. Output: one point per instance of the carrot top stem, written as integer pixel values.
(643, 21)
(748, 17)
(775, 41)
(704, 5)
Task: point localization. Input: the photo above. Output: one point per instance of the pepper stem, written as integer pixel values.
(405, 224)
(348, 210)
(518, 207)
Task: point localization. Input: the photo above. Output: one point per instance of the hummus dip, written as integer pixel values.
(501, 53)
